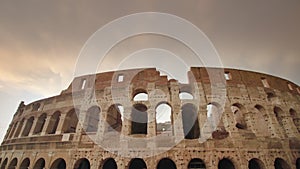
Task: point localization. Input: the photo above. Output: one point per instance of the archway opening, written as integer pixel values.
(58, 164)
(28, 126)
(238, 111)
(255, 164)
(139, 119)
(166, 163)
(196, 163)
(92, 119)
(19, 128)
(109, 164)
(25, 163)
(4, 163)
(281, 164)
(137, 163)
(114, 118)
(185, 96)
(54, 120)
(13, 163)
(40, 124)
(82, 163)
(190, 121)
(225, 163)
(298, 163)
(39, 164)
(164, 119)
(70, 122)
(140, 95)
(295, 118)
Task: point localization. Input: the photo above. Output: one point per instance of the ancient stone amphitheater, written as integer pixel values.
(137, 119)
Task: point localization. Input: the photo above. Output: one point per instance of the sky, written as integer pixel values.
(40, 41)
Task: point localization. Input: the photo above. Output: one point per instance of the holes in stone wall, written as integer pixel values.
(190, 121)
(265, 82)
(139, 119)
(120, 78)
(83, 84)
(115, 117)
(227, 76)
(164, 119)
(196, 163)
(53, 123)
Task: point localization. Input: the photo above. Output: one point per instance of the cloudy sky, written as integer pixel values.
(40, 41)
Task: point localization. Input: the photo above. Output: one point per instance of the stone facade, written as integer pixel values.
(223, 118)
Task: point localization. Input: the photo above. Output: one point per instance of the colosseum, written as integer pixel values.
(138, 119)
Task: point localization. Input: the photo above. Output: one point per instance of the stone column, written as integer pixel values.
(46, 125)
(151, 126)
(61, 123)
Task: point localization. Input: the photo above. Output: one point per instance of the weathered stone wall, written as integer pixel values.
(242, 119)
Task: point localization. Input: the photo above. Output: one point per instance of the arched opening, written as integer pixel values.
(92, 119)
(114, 118)
(238, 113)
(25, 163)
(225, 163)
(82, 163)
(164, 119)
(70, 122)
(39, 164)
(185, 96)
(214, 118)
(298, 163)
(11, 132)
(140, 95)
(137, 163)
(40, 124)
(19, 128)
(196, 163)
(139, 119)
(295, 118)
(4, 163)
(58, 164)
(109, 163)
(13, 164)
(280, 164)
(260, 123)
(166, 163)
(28, 126)
(255, 163)
(54, 120)
(190, 121)
(279, 114)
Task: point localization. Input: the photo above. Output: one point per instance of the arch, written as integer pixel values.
(225, 163)
(25, 163)
(114, 117)
(298, 163)
(12, 131)
(109, 163)
(82, 163)
(53, 123)
(4, 163)
(190, 121)
(70, 122)
(28, 126)
(255, 163)
(196, 163)
(279, 114)
(139, 117)
(261, 122)
(58, 164)
(185, 96)
(166, 163)
(13, 164)
(137, 163)
(163, 118)
(140, 95)
(93, 114)
(238, 111)
(39, 164)
(19, 128)
(279, 163)
(295, 119)
(40, 124)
